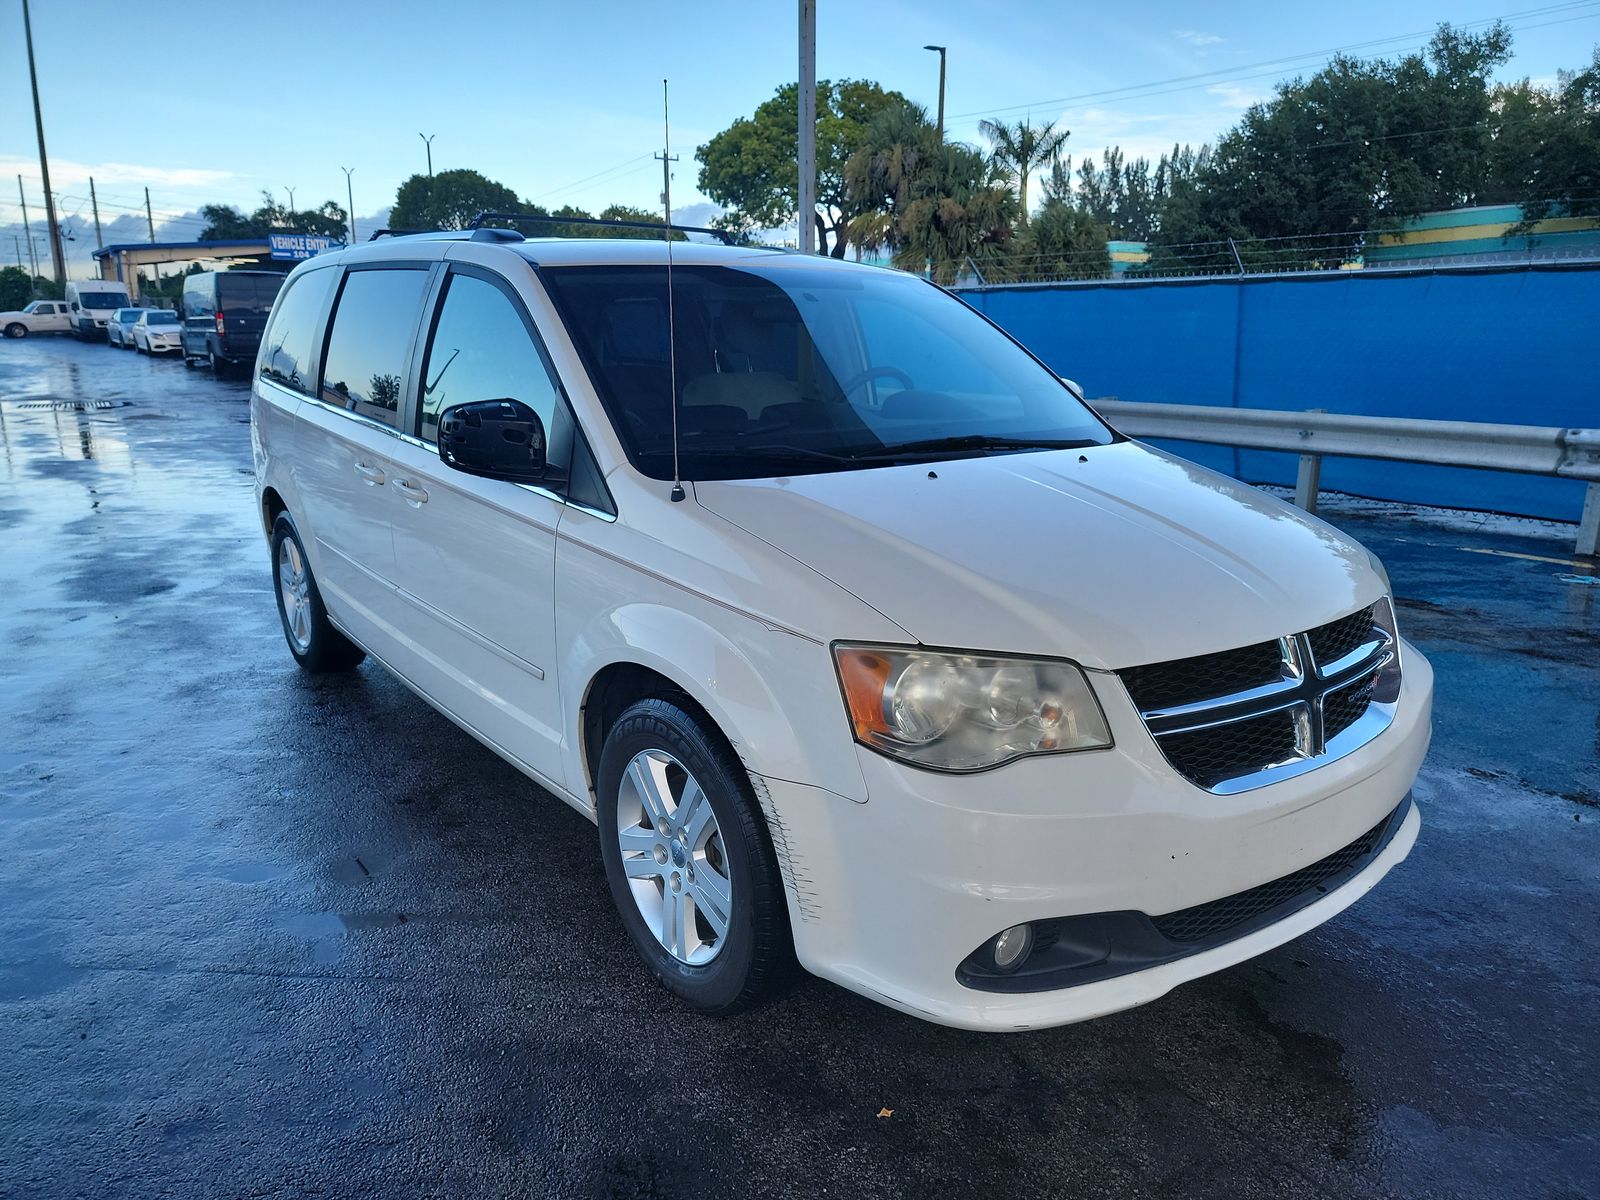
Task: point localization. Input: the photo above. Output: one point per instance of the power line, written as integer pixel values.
(1229, 74)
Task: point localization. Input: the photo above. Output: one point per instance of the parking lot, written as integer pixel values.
(263, 934)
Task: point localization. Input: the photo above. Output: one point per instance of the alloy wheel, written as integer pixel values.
(673, 857)
(294, 585)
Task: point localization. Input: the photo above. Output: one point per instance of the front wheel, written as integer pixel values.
(688, 859)
(16, 330)
(316, 645)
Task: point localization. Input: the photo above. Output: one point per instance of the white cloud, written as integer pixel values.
(65, 173)
(1196, 38)
(1233, 95)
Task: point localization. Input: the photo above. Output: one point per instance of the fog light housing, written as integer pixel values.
(1011, 946)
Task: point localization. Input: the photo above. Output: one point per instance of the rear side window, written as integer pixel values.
(287, 348)
(364, 369)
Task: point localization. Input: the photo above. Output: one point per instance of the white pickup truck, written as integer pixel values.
(42, 316)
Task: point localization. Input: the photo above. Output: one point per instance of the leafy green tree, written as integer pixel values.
(938, 207)
(449, 200)
(1022, 148)
(16, 289)
(1547, 152)
(224, 223)
(1362, 145)
(752, 166)
(1062, 242)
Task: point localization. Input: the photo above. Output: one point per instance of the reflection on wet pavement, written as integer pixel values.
(267, 934)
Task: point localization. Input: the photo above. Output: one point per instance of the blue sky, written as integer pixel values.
(562, 102)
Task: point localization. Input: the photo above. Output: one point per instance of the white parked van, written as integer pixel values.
(91, 303)
(861, 638)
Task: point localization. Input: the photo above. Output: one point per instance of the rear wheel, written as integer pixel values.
(691, 869)
(219, 365)
(316, 645)
(16, 330)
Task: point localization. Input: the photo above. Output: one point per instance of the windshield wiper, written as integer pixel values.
(972, 441)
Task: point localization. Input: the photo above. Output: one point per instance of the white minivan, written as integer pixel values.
(864, 641)
(92, 303)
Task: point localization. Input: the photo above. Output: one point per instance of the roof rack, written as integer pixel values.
(722, 235)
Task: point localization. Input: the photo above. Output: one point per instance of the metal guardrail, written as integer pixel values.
(1526, 449)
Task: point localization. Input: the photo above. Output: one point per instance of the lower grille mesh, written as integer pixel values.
(1206, 921)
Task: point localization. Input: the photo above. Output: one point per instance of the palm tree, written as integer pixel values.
(1021, 147)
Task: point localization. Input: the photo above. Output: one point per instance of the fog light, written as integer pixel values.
(1011, 946)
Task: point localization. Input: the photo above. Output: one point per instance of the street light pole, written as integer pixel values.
(941, 51)
(350, 198)
(44, 160)
(807, 197)
(290, 190)
(427, 140)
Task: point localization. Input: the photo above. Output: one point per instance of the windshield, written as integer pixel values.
(161, 317)
(788, 368)
(31, 308)
(124, 316)
(100, 299)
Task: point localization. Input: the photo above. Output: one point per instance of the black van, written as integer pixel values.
(224, 313)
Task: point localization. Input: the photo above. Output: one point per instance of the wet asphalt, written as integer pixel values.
(266, 935)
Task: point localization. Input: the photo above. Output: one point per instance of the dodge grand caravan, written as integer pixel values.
(863, 641)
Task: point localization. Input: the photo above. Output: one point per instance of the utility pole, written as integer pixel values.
(350, 197)
(94, 203)
(290, 190)
(151, 222)
(941, 51)
(27, 229)
(17, 243)
(807, 198)
(44, 161)
(427, 140)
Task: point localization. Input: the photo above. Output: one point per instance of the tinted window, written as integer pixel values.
(162, 317)
(482, 350)
(247, 293)
(372, 328)
(101, 299)
(288, 346)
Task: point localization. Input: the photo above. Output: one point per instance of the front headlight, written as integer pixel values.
(966, 712)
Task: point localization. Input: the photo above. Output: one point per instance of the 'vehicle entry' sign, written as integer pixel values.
(299, 245)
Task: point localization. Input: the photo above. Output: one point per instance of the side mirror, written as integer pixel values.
(1072, 386)
(498, 439)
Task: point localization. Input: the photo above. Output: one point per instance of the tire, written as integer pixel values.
(219, 365)
(322, 649)
(752, 958)
(16, 330)
(138, 349)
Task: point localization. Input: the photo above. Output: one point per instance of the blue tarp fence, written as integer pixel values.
(1519, 345)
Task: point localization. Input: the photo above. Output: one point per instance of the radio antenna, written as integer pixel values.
(667, 158)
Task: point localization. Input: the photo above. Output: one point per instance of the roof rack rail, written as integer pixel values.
(383, 233)
(722, 235)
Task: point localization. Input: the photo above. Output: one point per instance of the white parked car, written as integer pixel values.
(119, 329)
(41, 316)
(924, 676)
(158, 331)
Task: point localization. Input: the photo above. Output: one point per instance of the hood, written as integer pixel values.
(1112, 556)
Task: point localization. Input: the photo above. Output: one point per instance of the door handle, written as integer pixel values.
(370, 473)
(414, 495)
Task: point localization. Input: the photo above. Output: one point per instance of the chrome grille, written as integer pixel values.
(1237, 719)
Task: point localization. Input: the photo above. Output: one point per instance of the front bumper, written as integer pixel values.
(890, 896)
